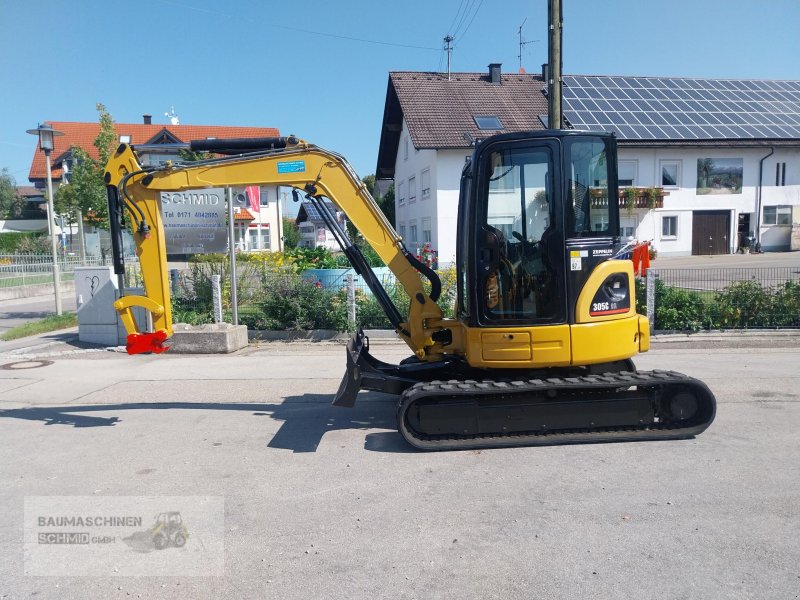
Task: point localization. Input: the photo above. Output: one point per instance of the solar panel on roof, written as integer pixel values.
(679, 108)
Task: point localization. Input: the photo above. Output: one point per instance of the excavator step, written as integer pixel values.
(626, 406)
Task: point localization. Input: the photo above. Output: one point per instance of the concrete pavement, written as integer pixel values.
(326, 502)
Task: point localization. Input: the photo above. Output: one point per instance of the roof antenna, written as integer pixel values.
(448, 40)
(173, 118)
(522, 45)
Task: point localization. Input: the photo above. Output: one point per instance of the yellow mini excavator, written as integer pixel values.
(539, 350)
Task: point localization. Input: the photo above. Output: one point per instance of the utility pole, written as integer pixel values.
(448, 41)
(555, 24)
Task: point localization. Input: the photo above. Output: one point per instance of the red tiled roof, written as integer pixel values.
(243, 215)
(83, 135)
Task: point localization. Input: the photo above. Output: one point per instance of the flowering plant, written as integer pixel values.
(428, 256)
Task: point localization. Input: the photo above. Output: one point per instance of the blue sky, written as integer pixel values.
(248, 63)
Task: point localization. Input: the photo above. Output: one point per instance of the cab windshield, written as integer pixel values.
(589, 209)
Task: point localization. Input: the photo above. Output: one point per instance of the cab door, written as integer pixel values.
(519, 240)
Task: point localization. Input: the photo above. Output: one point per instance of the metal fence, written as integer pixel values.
(281, 301)
(721, 298)
(31, 269)
(673, 299)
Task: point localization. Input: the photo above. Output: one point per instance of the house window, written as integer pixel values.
(412, 232)
(401, 193)
(412, 189)
(124, 139)
(670, 173)
(777, 215)
(401, 229)
(627, 227)
(669, 227)
(425, 183)
(780, 174)
(627, 172)
(405, 148)
(488, 122)
(265, 243)
(426, 230)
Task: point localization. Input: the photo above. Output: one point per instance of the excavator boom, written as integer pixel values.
(275, 161)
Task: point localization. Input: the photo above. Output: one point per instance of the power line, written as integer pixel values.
(460, 6)
(475, 14)
(467, 9)
(309, 31)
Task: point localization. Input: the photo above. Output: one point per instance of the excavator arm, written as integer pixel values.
(267, 161)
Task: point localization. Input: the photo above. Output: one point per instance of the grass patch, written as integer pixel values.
(51, 323)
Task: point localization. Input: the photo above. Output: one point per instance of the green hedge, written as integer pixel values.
(740, 305)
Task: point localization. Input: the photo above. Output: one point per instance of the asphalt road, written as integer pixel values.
(23, 310)
(323, 502)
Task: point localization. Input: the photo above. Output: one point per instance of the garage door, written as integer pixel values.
(710, 231)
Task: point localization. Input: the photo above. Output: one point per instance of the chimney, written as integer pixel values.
(494, 73)
(545, 72)
(148, 119)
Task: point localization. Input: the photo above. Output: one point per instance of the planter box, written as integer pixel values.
(216, 338)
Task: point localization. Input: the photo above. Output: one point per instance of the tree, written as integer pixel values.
(386, 204)
(86, 190)
(192, 156)
(11, 203)
(291, 233)
(369, 181)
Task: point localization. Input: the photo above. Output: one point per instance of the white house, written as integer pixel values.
(726, 151)
(314, 233)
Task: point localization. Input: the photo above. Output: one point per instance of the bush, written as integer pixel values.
(296, 304)
(14, 242)
(679, 309)
(742, 304)
(187, 311)
(749, 304)
(787, 305)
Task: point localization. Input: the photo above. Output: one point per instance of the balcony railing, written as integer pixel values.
(644, 198)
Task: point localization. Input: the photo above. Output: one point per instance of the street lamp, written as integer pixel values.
(46, 134)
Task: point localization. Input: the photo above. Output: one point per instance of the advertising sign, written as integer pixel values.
(194, 221)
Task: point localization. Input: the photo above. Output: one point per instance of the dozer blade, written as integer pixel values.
(612, 407)
(366, 372)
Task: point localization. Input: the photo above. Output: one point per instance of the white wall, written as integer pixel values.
(414, 212)
(446, 166)
(684, 199)
(449, 165)
(269, 218)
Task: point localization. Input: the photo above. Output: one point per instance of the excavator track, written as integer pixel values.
(610, 407)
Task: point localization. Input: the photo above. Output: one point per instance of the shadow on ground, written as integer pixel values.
(305, 419)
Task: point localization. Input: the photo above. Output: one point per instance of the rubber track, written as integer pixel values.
(579, 387)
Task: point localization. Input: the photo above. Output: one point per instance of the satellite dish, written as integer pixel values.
(173, 117)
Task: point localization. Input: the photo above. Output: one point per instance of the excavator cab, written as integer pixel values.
(537, 213)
